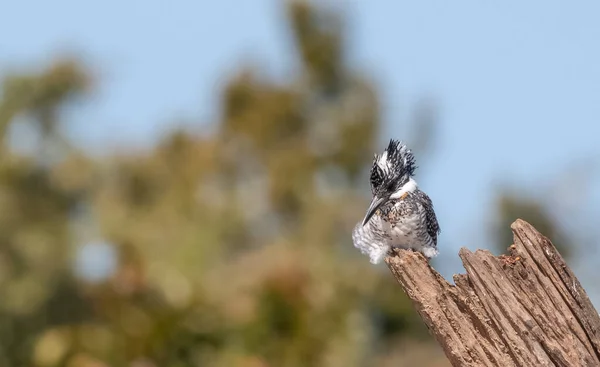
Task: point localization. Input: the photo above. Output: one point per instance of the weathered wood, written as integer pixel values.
(522, 309)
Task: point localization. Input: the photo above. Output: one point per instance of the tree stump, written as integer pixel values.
(522, 309)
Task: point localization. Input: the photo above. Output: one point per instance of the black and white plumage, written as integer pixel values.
(400, 214)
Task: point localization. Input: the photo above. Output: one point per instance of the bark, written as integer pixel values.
(522, 309)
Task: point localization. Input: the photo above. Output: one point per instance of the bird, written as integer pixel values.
(400, 214)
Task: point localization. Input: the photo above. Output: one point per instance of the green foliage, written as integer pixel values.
(233, 249)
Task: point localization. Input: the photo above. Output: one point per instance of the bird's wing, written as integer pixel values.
(433, 227)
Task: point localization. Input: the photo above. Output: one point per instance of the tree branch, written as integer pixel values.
(522, 309)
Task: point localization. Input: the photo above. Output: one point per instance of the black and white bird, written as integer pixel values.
(400, 214)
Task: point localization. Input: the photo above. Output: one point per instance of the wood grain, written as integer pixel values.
(522, 309)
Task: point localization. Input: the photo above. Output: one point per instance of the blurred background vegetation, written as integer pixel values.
(227, 248)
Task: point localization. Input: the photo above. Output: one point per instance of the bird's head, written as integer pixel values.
(391, 175)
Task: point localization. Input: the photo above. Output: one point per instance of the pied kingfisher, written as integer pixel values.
(400, 214)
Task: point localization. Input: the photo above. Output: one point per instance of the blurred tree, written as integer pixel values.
(511, 205)
(36, 289)
(232, 248)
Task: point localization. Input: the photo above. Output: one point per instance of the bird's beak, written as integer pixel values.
(375, 204)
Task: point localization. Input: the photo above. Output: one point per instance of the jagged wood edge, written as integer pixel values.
(473, 332)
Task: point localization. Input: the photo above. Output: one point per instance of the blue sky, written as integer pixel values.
(518, 84)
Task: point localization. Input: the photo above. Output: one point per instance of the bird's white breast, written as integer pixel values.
(403, 233)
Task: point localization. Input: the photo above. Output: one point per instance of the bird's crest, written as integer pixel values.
(396, 164)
